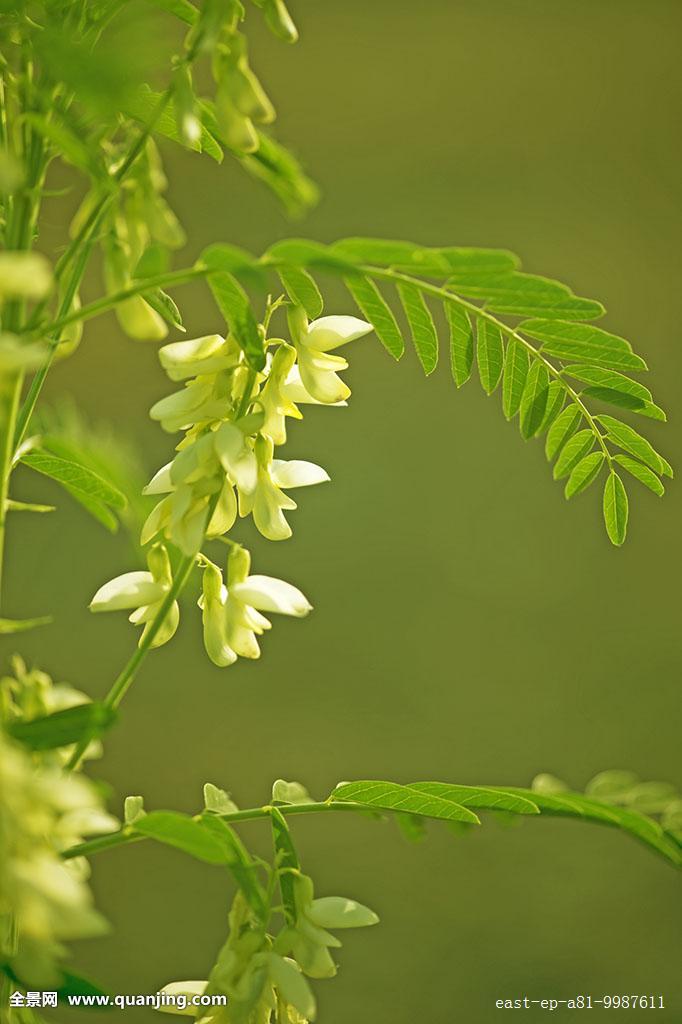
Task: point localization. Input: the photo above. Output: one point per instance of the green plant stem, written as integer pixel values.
(128, 835)
(447, 296)
(173, 279)
(10, 392)
(125, 678)
(79, 250)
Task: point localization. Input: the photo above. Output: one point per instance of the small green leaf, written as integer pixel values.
(482, 798)
(575, 449)
(630, 441)
(623, 401)
(562, 428)
(8, 626)
(534, 400)
(143, 106)
(165, 306)
(575, 805)
(584, 343)
(424, 335)
(556, 396)
(217, 800)
(642, 473)
(418, 259)
(584, 473)
(597, 376)
(390, 796)
(615, 509)
(236, 308)
(525, 295)
(63, 727)
(514, 380)
(490, 355)
(238, 860)
(91, 490)
(461, 342)
(184, 833)
(373, 307)
(302, 290)
(299, 252)
(287, 862)
(290, 793)
(238, 262)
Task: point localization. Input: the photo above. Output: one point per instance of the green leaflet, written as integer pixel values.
(238, 860)
(480, 798)
(615, 509)
(374, 308)
(302, 290)
(562, 428)
(238, 262)
(418, 259)
(165, 306)
(534, 400)
(287, 862)
(63, 727)
(624, 401)
(299, 252)
(572, 452)
(381, 252)
(575, 805)
(630, 441)
(489, 354)
(184, 833)
(280, 171)
(584, 473)
(8, 626)
(461, 342)
(234, 305)
(525, 295)
(597, 376)
(91, 490)
(390, 796)
(556, 396)
(616, 389)
(584, 343)
(642, 473)
(422, 327)
(142, 106)
(514, 380)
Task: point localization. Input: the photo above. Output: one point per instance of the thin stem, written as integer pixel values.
(127, 675)
(10, 391)
(128, 835)
(448, 296)
(171, 280)
(79, 249)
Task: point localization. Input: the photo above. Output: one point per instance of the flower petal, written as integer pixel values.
(130, 590)
(329, 332)
(272, 595)
(297, 473)
(338, 912)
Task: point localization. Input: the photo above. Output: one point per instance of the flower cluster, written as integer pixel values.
(263, 984)
(233, 419)
(42, 812)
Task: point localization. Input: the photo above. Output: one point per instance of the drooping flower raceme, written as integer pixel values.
(44, 811)
(231, 614)
(253, 970)
(225, 467)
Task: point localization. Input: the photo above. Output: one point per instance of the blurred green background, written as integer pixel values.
(469, 625)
